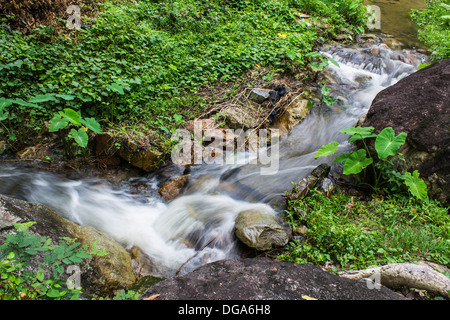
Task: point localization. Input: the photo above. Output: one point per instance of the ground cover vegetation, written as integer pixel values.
(393, 221)
(345, 232)
(434, 27)
(138, 65)
(33, 267)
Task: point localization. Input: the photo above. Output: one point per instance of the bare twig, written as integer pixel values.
(178, 271)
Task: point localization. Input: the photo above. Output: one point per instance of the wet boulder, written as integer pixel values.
(292, 115)
(174, 188)
(419, 105)
(259, 229)
(301, 189)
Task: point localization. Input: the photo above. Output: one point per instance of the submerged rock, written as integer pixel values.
(174, 187)
(260, 230)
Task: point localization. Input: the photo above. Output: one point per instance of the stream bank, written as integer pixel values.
(164, 235)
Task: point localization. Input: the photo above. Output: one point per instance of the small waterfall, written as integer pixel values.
(171, 233)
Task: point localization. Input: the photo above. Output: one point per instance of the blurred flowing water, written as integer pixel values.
(171, 233)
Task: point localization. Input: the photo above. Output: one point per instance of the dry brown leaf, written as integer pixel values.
(152, 297)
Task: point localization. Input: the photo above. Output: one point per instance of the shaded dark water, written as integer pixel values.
(395, 20)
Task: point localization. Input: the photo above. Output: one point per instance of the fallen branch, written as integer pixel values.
(398, 275)
(178, 271)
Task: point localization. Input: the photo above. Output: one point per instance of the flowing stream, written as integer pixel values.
(171, 233)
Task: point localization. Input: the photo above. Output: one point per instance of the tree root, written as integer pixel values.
(398, 275)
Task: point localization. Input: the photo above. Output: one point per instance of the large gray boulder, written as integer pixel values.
(419, 105)
(264, 279)
(102, 275)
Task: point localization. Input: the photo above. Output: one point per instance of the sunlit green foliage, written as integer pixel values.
(434, 27)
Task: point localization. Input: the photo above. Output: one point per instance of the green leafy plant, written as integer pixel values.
(326, 95)
(434, 27)
(21, 252)
(68, 119)
(138, 60)
(346, 232)
(386, 145)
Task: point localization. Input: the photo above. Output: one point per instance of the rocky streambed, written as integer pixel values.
(200, 216)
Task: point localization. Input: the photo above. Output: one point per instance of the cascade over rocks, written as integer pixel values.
(264, 279)
(419, 105)
(102, 274)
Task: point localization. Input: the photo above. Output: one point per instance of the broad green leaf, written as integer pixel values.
(416, 185)
(40, 276)
(23, 103)
(116, 88)
(327, 149)
(358, 133)
(57, 123)
(42, 98)
(12, 136)
(342, 158)
(3, 115)
(177, 117)
(4, 103)
(357, 130)
(92, 124)
(23, 226)
(76, 259)
(423, 65)
(53, 293)
(387, 144)
(356, 162)
(72, 116)
(357, 137)
(291, 55)
(164, 129)
(80, 137)
(333, 62)
(65, 96)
